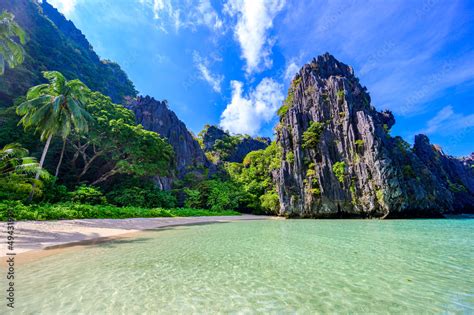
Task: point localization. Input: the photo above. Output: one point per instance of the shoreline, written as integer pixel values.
(42, 236)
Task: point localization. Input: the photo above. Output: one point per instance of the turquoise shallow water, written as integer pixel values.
(292, 266)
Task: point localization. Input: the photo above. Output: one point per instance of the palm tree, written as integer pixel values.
(55, 108)
(11, 52)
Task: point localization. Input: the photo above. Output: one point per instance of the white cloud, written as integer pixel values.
(214, 80)
(208, 16)
(254, 19)
(164, 12)
(158, 6)
(447, 121)
(291, 70)
(184, 14)
(202, 64)
(66, 7)
(246, 114)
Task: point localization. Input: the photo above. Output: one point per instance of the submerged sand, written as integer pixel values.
(37, 235)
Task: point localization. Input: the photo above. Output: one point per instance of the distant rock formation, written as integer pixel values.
(339, 159)
(456, 174)
(230, 148)
(156, 116)
(209, 136)
(248, 145)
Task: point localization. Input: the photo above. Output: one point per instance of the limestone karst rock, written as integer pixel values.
(339, 159)
(236, 147)
(156, 116)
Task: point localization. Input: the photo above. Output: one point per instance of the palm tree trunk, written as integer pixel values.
(43, 156)
(60, 159)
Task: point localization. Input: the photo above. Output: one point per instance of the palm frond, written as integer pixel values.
(56, 80)
(37, 91)
(57, 102)
(14, 160)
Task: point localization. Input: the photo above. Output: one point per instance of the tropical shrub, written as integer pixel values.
(254, 175)
(215, 194)
(312, 135)
(70, 210)
(340, 94)
(359, 143)
(290, 157)
(17, 172)
(146, 196)
(223, 195)
(283, 110)
(87, 194)
(339, 168)
(16, 187)
(226, 146)
(270, 202)
(193, 198)
(54, 192)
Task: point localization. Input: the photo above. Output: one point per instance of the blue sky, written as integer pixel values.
(230, 62)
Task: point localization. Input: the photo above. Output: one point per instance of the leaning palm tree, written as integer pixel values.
(55, 108)
(11, 52)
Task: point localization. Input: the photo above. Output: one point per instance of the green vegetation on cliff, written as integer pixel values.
(312, 135)
(55, 44)
(339, 169)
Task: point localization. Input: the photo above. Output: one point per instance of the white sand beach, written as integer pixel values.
(37, 235)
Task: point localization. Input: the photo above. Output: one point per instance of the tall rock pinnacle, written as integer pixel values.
(339, 159)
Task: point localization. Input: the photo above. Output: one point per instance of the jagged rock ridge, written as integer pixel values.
(456, 174)
(230, 148)
(156, 116)
(340, 161)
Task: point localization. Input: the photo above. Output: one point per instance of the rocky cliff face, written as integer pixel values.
(156, 116)
(457, 175)
(67, 27)
(339, 159)
(230, 148)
